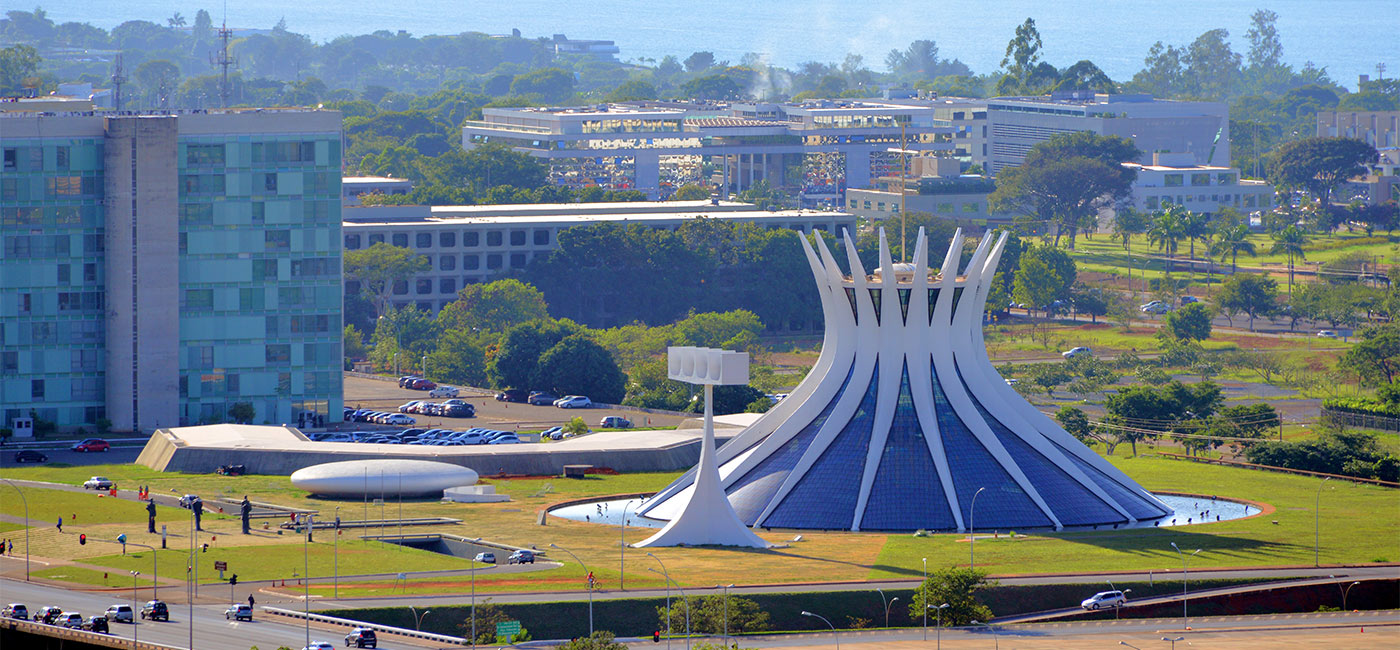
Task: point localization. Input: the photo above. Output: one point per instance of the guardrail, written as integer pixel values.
(94, 638)
(1362, 420)
(59, 445)
(384, 629)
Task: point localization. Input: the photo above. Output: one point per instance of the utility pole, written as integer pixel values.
(117, 80)
(223, 60)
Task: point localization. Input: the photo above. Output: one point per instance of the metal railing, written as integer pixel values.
(384, 629)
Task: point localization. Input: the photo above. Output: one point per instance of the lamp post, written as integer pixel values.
(667, 576)
(887, 605)
(971, 530)
(622, 552)
(418, 618)
(155, 569)
(133, 608)
(1184, 558)
(473, 565)
(586, 573)
(828, 623)
(336, 554)
(26, 526)
(1173, 641)
(306, 575)
(938, 631)
(924, 587)
(1317, 519)
(726, 614)
(1129, 645)
(1345, 592)
(1118, 604)
(996, 643)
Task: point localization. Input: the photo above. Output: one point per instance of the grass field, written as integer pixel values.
(1357, 524)
(89, 507)
(86, 576)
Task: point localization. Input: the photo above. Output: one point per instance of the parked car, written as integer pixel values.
(615, 422)
(443, 391)
(121, 614)
(459, 410)
(1079, 351)
(92, 444)
(522, 556)
(486, 558)
(48, 614)
(240, 612)
(1187, 300)
(541, 398)
(505, 440)
(410, 407)
(423, 384)
(1155, 307)
(512, 395)
(15, 610)
(319, 645)
(553, 433)
(155, 610)
(405, 380)
(97, 624)
(30, 456)
(575, 402)
(98, 483)
(361, 637)
(399, 419)
(72, 620)
(188, 500)
(1011, 381)
(1326, 334)
(1105, 599)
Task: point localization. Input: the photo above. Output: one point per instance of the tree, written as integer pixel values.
(691, 192)
(1194, 226)
(1167, 231)
(1162, 73)
(1290, 242)
(699, 62)
(1129, 223)
(459, 358)
(379, 267)
(405, 333)
(518, 357)
(714, 86)
(19, 65)
(1049, 375)
(1376, 358)
(958, 588)
(1229, 242)
(353, 343)
(707, 615)
(242, 412)
(576, 426)
(157, 79)
(1212, 68)
(1036, 283)
(1319, 165)
(634, 90)
(1066, 180)
(552, 84)
(1084, 75)
(599, 640)
(494, 307)
(577, 365)
(1076, 423)
(1190, 323)
(1265, 48)
(1093, 302)
(1022, 54)
(1252, 294)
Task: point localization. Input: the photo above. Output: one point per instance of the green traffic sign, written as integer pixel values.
(507, 629)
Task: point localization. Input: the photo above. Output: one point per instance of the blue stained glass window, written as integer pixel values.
(907, 494)
(1134, 504)
(1004, 503)
(750, 494)
(825, 497)
(1073, 504)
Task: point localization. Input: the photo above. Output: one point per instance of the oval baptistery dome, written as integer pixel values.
(389, 477)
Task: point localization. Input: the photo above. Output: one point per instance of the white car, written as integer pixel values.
(1077, 352)
(400, 419)
(98, 483)
(1105, 599)
(443, 391)
(575, 402)
(411, 407)
(1326, 334)
(120, 614)
(563, 399)
(1155, 307)
(319, 645)
(485, 558)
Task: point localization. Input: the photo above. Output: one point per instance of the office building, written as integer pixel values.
(351, 187)
(1015, 124)
(933, 186)
(1175, 178)
(1380, 129)
(158, 269)
(477, 243)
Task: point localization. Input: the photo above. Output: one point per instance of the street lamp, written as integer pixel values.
(473, 565)
(1118, 604)
(418, 618)
(971, 530)
(939, 611)
(26, 526)
(1345, 592)
(1317, 518)
(1184, 558)
(306, 574)
(887, 605)
(1173, 641)
(726, 614)
(622, 553)
(586, 573)
(336, 553)
(667, 576)
(924, 586)
(1129, 645)
(996, 643)
(133, 608)
(828, 623)
(684, 600)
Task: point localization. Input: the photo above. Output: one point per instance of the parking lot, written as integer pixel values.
(381, 395)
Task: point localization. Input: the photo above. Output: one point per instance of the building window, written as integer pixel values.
(541, 237)
(376, 238)
(517, 260)
(199, 299)
(469, 263)
(493, 261)
(1172, 180)
(423, 240)
(517, 238)
(400, 287)
(1224, 179)
(279, 353)
(493, 238)
(36, 389)
(424, 286)
(945, 207)
(352, 242)
(1200, 180)
(270, 182)
(471, 239)
(401, 239)
(1150, 202)
(277, 240)
(447, 240)
(970, 208)
(9, 361)
(204, 154)
(447, 262)
(447, 285)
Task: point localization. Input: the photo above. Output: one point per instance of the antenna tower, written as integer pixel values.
(224, 61)
(117, 80)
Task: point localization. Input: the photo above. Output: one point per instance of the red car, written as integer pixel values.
(92, 444)
(423, 384)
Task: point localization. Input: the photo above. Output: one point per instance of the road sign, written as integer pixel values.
(507, 629)
(220, 566)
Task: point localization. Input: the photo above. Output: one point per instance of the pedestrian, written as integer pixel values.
(250, 601)
(60, 524)
(12, 547)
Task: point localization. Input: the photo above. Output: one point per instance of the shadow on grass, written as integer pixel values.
(1158, 541)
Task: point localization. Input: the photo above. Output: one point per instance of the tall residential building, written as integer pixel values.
(1016, 124)
(1380, 129)
(158, 269)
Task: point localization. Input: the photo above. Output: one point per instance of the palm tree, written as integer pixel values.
(1195, 225)
(1290, 241)
(1166, 232)
(1127, 223)
(1230, 241)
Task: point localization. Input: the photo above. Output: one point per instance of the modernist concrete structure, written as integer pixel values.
(814, 149)
(158, 269)
(1177, 179)
(382, 477)
(351, 187)
(1018, 123)
(1380, 129)
(471, 244)
(903, 422)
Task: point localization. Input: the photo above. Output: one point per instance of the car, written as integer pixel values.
(615, 422)
(92, 444)
(96, 624)
(239, 612)
(485, 558)
(410, 407)
(405, 380)
(575, 402)
(1079, 351)
(1011, 381)
(423, 384)
(319, 645)
(98, 483)
(459, 410)
(443, 391)
(1105, 599)
(72, 620)
(1326, 334)
(512, 395)
(361, 637)
(155, 610)
(505, 440)
(1188, 300)
(541, 398)
(399, 419)
(553, 433)
(30, 456)
(48, 615)
(121, 614)
(522, 556)
(1155, 307)
(188, 500)
(15, 610)
(563, 399)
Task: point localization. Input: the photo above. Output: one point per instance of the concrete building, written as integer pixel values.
(1380, 129)
(158, 269)
(1016, 124)
(812, 149)
(934, 186)
(477, 243)
(351, 187)
(1174, 178)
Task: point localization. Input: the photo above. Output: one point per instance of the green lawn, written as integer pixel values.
(86, 576)
(6, 526)
(91, 508)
